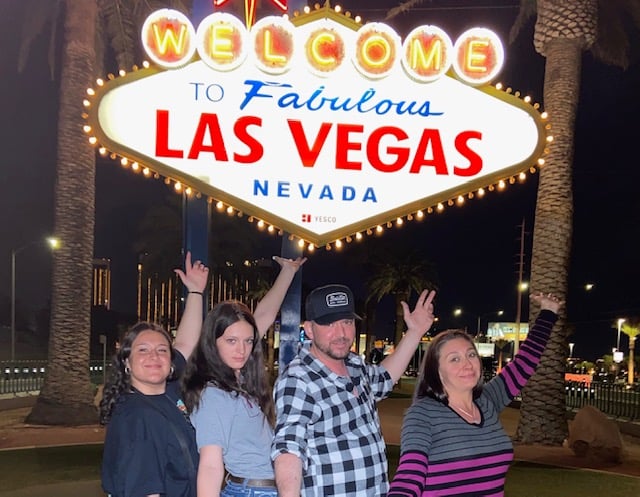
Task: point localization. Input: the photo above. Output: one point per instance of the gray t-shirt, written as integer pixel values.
(238, 426)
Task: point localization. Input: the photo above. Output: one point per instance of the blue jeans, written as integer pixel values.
(232, 489)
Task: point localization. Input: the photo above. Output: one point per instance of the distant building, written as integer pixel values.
(507, 331)
(160, 299)
(101, 283)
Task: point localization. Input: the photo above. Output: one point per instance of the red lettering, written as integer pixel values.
(343, 146)
(308, 155)
(462, 146)
(373, 150)
(430, 137)
(209, 127)
(162, 136)
(256, 150)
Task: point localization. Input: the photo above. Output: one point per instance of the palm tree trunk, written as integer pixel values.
(66, 397)
(543, 410)
(563, 30)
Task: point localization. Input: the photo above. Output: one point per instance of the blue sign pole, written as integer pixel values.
(196, 224)
(290, 310)
(195, 211)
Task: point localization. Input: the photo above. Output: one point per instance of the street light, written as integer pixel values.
(53, 243)
(620, 321)
(522, 287)
(457, 312)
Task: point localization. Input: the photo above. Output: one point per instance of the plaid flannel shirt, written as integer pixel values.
(335, 433)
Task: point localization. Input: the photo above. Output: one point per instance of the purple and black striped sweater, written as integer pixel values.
(443, 455)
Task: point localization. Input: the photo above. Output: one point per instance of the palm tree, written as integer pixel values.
(563, 31)
(399, 273)
(632, 330)
(66, 397)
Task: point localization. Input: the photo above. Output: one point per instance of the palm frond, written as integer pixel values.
(40, 16)
(121, 30)
(527, 10)
(402, 8)
(618, 22)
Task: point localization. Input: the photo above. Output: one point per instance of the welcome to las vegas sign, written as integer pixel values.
(318, 125)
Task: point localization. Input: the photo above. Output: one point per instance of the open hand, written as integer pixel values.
(194, 276)
(421, 318)
(292, 264)
(547, 301)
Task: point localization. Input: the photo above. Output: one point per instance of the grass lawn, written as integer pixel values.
(26, 467)
(537, 480)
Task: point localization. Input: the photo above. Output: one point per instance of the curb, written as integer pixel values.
(17, 402)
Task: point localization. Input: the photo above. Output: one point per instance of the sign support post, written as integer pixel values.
(290, 310)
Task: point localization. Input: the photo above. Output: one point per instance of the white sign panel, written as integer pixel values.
(320, 155)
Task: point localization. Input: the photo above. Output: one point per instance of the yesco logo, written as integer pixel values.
(337, 299)
(318, 125)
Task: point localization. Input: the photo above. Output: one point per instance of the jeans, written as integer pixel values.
(232, 489)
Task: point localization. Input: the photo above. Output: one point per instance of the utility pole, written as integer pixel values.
(516, 341)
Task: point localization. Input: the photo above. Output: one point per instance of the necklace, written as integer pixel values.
(471, 415)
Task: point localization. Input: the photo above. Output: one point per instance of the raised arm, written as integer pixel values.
(194, 278)
(514, 376)
(267, 309)
(418, 323)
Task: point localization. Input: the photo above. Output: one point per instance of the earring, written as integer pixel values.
(127, 370)
(171, 371)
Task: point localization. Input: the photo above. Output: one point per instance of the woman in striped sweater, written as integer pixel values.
(452, 440)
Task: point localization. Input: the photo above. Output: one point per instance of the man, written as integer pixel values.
(328, 440)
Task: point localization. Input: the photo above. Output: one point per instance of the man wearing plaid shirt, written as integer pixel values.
(327, 437)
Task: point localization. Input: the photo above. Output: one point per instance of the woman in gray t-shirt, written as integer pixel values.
(228, 397)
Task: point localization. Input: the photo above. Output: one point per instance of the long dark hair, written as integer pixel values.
(205, 365)
(119, 380)
(429, 383)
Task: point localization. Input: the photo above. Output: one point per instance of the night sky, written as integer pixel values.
(475, 247)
